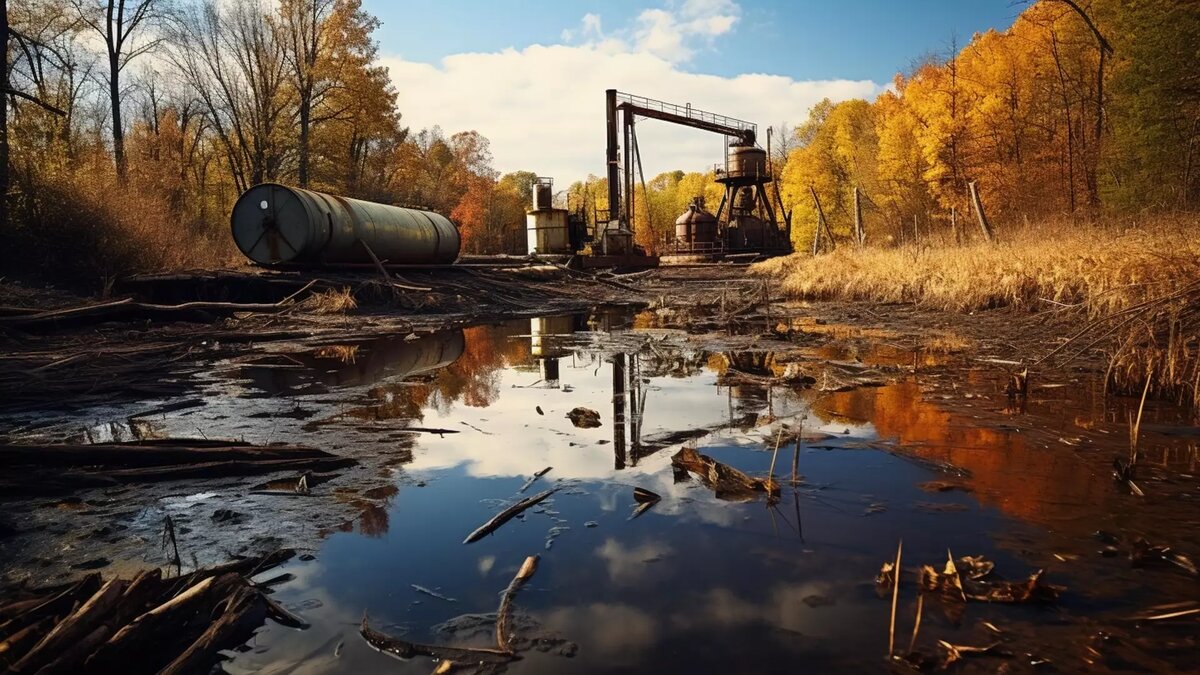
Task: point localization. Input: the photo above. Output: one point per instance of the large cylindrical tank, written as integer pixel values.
(547, 231)
(275, 224)
(747, 161)
(696, 226)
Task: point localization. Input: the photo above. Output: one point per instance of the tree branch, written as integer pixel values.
(35, 100)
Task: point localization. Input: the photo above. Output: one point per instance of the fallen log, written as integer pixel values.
(138, 454)
(534, 478)
(407, 650)
(507, 515)
(225, 469)
(128, 310)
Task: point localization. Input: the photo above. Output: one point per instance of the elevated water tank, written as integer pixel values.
(747, 161)
(696, 226)
(275, 224)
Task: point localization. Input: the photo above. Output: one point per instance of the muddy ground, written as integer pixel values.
(914, 414)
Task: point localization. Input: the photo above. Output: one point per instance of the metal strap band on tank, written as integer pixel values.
(437, 236)
(328, 219)
(354, 221)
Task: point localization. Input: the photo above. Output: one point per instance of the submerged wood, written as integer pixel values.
(727, 482)
(528, 568)
(244, 611)
(407, 650)
(507, 515)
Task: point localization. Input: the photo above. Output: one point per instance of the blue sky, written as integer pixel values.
(507, 67)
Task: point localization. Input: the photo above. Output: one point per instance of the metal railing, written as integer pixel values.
(687, 111)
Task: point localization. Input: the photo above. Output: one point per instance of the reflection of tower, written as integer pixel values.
(546, 345)
(627, 393)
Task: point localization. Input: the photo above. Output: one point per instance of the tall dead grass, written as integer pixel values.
(83, 228)
(1133, 286)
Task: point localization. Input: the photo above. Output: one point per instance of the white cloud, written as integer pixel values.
(542, 106)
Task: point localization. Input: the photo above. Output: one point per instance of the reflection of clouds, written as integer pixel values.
(628, 566)
(617, 632)
(785, 608)
(485, 564)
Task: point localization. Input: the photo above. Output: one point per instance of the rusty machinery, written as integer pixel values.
(748, 219)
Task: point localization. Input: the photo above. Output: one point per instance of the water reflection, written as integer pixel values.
(696, 583)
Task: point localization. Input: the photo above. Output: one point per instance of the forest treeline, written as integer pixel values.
(1079, 110)
(134, 125)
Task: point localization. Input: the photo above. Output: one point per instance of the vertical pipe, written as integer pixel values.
(614, 174)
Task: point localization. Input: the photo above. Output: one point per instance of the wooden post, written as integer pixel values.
(979, 214)
(859, 232)
(817, 232)
(822, 223)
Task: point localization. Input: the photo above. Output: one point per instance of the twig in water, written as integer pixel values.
(895, 599)
(912, 644)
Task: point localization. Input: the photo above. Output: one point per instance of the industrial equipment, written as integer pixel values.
(274, 224)
(551, 231)
(746, 223)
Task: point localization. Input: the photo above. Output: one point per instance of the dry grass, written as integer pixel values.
(339, 301)
(82, 228)
(1138, 284)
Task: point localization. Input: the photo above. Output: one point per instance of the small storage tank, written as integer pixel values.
(747, 161)
(547, 232)
(696, 226)
(275, 224)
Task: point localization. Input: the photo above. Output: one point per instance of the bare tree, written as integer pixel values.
(120, 23)
(306, 34)
(231, 59)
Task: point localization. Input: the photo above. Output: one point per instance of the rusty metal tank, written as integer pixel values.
(747, 161)
(696, 226)
(274, 224)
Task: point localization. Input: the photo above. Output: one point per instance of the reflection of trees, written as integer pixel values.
(1035, 483)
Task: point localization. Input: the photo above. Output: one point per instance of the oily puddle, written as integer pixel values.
(695, 583)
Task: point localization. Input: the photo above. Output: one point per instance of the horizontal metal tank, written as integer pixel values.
(275, 224)
(747, 161)
(696, 226)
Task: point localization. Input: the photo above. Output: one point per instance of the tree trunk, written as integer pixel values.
(118, 133)
(4, 117)
(305, 125)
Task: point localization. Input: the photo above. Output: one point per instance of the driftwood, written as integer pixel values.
(128, 310)
(407, 650)
(77, 626)
(144, 625)
(224, 469)
(528, 568)
(534, 478)
(59, 605)
(507, 515)
(243, 611)
(727, 482)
